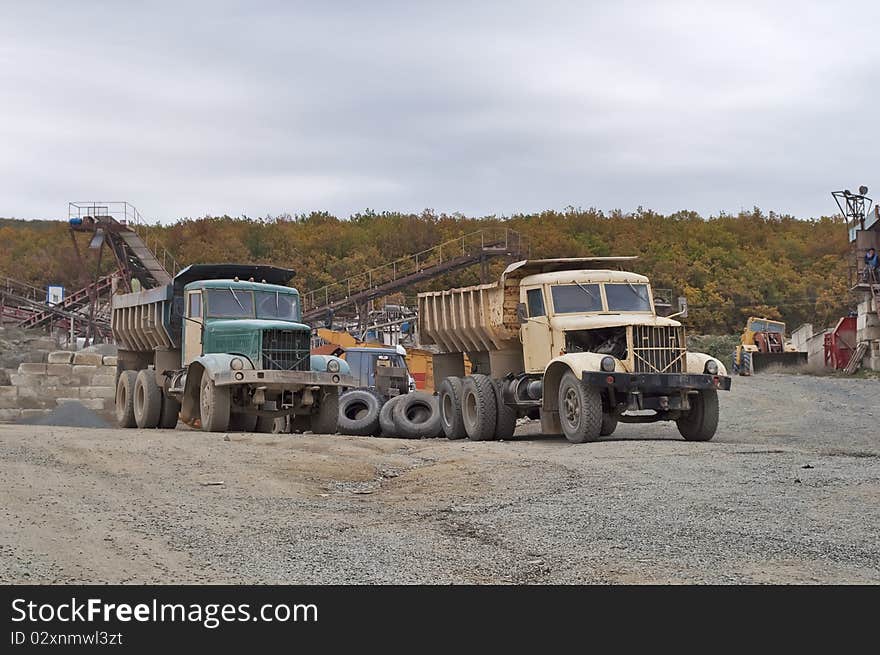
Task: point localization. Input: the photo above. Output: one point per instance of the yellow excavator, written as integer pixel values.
(762, 345)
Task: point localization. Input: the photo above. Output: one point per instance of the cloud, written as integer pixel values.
(256, 108)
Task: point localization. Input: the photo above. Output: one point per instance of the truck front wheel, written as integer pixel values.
(326, 419)
(700, 423)
(580, 410)
(215, 403)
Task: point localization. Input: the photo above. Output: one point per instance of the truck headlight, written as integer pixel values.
(608, 364)
(236, 363)
(333, 366)
(711, 367)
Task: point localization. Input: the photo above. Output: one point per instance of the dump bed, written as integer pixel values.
(146, 320)
(483, 317)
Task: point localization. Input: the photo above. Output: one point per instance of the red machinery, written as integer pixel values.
(840, 343)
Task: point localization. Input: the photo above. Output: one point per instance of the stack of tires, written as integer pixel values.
(472, 407)
(413, 415)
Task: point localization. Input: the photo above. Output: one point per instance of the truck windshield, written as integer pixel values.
(229, 303)
(627, 297)
(576, 298)
(275, 304)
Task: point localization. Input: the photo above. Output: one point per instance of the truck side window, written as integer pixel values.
(195, 305)
(536, 302)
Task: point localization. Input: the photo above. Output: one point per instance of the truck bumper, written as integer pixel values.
(656, 383)
(283, 379)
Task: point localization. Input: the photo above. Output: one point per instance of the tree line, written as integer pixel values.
(727, 266)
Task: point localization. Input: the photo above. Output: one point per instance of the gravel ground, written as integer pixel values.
(787, 492)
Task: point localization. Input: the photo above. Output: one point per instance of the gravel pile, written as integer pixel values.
(72, 415)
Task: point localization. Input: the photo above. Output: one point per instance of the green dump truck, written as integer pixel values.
(222, 346)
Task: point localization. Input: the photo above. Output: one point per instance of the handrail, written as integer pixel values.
(486, 239)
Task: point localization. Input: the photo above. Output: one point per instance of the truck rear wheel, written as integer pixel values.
(214, 403)
(125, 399)
(580, 410)
(479, 407)
(147, 400)
(170, 412)
(609, 424)
(240, 422)
(449, 400)
(326, 420)
(700, 423)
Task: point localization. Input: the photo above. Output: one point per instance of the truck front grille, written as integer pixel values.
(286, 350)
(659, 349)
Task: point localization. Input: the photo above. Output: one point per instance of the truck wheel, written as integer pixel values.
(506, 415)
(449, 401)
(125, 399)
(266, 424)
(239, 422)
(387, 426)
(147, 399)
(609, 424)
(300, 424)
(326, 420)
(479, 407)
(417, 416)
(580, 409)
(700, 423)
(170, 413)
(215, 403)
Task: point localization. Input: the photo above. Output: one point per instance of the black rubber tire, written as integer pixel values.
(387, 426)
(580, 409)
(449, 403)
(417, 416)
(170, 413)
(214, 403)
(609, 424)
(326, 419)
(265, 424)
(147, 400)
(239, 422)
(125, 399)
(506, 421)
(479, 407)
(701, 422)
(358, 413)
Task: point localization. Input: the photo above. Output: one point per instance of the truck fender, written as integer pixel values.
(696, 363)
(209, 365)
(319, 364)
(577, 363)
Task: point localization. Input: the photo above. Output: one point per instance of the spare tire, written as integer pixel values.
(386, 420)
(479, 407)
(358, 413)
(417, 416)
(449, 402)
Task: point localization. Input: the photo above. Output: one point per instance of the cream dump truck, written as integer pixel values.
(569, 340)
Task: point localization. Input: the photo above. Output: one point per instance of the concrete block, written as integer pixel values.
(97, 392)
(10, 414)
(59, 369)
(30, 391)
(110, 360)
(64, 391)
(104, 380)
(91, 403)
(27, 379)
(32, 369)
(61, 357)
(8, 397)
(92, 359)
(868, 333)
(30, 413)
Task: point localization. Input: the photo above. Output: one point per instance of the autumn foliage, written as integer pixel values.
(728, 266)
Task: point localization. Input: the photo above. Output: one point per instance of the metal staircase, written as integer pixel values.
(356, 291)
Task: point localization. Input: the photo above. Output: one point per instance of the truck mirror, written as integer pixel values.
(521, 314)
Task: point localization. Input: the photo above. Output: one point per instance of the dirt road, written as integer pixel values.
(787, 492)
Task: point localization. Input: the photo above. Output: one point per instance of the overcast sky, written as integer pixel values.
(194, 108)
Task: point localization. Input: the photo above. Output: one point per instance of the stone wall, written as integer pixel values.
(37, 388)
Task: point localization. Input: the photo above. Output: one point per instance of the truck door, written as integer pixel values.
(192, 331)
(536, 337)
